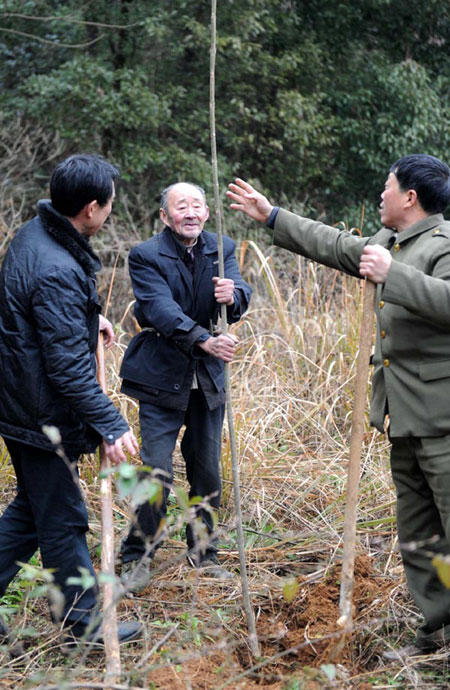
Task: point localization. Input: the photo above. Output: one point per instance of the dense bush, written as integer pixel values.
(314, 99)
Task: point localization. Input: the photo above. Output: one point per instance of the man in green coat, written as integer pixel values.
(409, 260)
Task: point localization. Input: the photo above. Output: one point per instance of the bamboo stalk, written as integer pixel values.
(110, 637)
(250, 616)
(354, 464)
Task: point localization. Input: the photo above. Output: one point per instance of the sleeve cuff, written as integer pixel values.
(270, 222)
(203, 337)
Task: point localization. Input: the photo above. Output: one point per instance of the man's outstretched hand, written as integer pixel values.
(245, 198)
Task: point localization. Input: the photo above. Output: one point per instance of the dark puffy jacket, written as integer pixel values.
(48, 336)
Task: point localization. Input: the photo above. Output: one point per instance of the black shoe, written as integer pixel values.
(210, 566)
(137, 575)
(126, 632)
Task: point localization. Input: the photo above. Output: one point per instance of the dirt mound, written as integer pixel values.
(306, 628)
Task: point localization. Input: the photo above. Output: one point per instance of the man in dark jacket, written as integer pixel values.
(174, 367)
(49, 325)
(409, 260)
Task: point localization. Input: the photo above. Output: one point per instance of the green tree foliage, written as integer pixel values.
(314, 98)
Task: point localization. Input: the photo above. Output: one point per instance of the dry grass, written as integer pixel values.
(292, 396)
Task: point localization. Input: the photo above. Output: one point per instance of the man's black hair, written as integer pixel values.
(428, 176)
(80, 179)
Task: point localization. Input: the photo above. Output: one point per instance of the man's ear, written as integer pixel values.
(207, 213)
(163, 216)
(90, 208)
(411, 199)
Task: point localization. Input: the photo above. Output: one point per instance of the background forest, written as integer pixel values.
(314, 101)
(315, 98)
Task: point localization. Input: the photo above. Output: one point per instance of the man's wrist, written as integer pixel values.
(203, 337)
(270, 222)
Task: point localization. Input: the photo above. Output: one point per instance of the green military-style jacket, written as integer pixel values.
(411, 377)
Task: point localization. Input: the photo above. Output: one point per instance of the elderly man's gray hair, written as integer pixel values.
(165, 193)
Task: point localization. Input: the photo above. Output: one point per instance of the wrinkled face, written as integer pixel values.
(392, 206)
(186, 213)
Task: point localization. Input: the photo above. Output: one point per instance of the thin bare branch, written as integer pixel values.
(70, 20)
(54, 44)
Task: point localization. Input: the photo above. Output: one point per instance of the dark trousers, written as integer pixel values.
(421, 473)
(48, 513)
(200, 447)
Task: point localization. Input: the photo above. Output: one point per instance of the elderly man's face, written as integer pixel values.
(187, 212)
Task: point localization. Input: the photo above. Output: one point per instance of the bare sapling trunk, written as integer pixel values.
(111, 640)
(354, 464)
(253, 639)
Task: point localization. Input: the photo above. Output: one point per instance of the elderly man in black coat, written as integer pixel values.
(174, 367)
(49, 325)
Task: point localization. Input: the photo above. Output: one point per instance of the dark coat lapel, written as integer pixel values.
(167, 247)
(209, 247)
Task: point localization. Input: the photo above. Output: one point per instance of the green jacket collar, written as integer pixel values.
(421, 226)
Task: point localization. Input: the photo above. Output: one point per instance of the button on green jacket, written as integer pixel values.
(412, 352)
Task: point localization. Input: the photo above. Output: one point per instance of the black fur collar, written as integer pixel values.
(62, 230)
